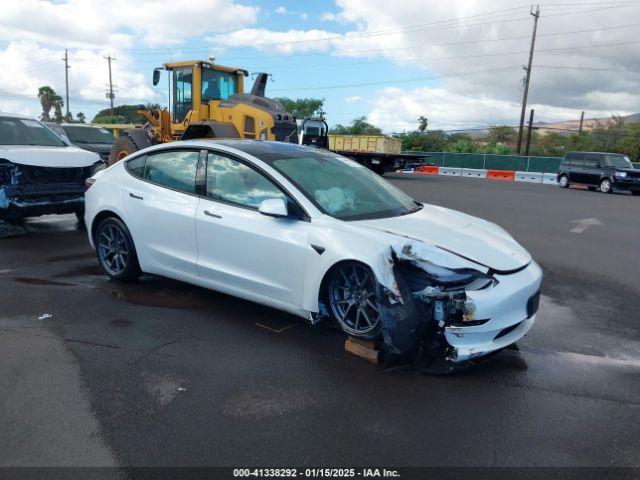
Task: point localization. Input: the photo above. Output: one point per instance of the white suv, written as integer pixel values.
(39, 173)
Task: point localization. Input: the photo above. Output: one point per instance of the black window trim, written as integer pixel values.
(165, 150)
(305, 218)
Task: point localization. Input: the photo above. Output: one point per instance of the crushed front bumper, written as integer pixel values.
(509, 308)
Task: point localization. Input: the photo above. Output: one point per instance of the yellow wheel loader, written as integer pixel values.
(207, 101)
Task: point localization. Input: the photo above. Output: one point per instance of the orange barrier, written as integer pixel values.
(502, 175)
(427, 169)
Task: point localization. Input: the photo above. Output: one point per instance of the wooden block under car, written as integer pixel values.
(362, 348)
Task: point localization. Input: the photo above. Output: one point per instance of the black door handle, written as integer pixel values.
(211, 214)
(135, 196)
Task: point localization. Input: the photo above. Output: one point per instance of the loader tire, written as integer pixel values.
(122, 147)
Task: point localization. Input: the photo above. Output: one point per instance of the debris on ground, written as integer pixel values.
(11, 230)
(45, 316)
(362, 348)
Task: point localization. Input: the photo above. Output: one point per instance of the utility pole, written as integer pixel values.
(526, 151)
(536, 16)
(581, 122)
(110, 94)
(66, 80)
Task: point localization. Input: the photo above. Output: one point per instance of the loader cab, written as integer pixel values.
(193, 84)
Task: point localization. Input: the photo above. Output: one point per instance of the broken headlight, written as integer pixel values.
(455, 278)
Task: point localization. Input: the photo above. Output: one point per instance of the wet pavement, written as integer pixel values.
(163, 373)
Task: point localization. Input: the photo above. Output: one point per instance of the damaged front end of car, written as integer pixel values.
(27, 190)
(418, 301)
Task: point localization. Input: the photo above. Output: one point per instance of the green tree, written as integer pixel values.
(302, 107)
(80, 117)
(433, 141)
(501, 134)
(124, 114)
(630, 144)
(423, 122)
(461, 143)
(49, 99)
(359, 126)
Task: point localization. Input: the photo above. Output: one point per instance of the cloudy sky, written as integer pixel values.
(457, 62)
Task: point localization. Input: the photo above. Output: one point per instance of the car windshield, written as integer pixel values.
(341, 187)
(617, 161)
(79, 134)
(25, 131)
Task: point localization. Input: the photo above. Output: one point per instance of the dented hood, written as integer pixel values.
(470, 237)
(39, 156)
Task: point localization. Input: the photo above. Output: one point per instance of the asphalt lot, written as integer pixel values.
(165, 374)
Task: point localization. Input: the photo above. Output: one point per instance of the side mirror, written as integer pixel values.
(156, 76)
(273, 207)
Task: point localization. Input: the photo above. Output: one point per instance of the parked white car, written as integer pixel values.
(39, 173)
(315, 234)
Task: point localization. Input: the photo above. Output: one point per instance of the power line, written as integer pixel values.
(389, 82)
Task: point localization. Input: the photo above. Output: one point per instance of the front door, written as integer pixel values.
(182, 93)
(240, 247)
(162, 207)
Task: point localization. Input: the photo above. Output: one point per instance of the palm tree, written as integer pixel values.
(47, 96)
(422, 123)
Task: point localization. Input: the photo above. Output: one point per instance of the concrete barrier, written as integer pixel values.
(528, 177)
(450, 171)
(501, 175)
(550, 178)
(427, 169)
(474, 173)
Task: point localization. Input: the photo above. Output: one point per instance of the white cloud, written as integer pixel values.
(280, 9)
(451, 40)
(353, 99)
(27, 66)
(396, 109)
(75, 23)
(267, 40)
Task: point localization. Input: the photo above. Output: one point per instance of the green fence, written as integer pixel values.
(498, 162)
(495, 162)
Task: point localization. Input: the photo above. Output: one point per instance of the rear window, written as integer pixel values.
(79, 134)
(25, 131)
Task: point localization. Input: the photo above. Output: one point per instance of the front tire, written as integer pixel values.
(122, 147)
(606, 186)
(635, 192)
(563, 181)
(116, 251)
(351, 300)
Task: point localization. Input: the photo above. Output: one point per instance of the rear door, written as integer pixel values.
(161, 210)
(240, 247)
(592, 169)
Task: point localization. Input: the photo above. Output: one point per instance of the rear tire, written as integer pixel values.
(116, 250)
(122, 147)
(563, 181)
(606, 186)
(636, 193)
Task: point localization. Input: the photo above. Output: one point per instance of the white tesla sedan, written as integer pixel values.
(315, 234)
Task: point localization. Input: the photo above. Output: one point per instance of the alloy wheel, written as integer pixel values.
(605, 185)
(113, 249)
(352, 300)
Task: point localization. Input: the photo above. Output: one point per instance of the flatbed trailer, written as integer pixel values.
(376, 152)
